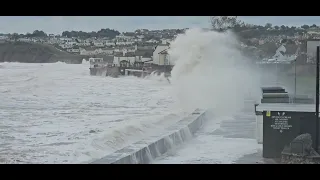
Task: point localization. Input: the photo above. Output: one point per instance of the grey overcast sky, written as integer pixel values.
(58, 24)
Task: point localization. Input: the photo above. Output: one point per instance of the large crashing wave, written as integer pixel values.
(210, 71)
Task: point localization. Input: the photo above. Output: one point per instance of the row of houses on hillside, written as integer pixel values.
(110, 51)
(94, 51)
(157, 55)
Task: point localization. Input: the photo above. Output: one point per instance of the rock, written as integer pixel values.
(306, 140)
(300, 151)
(301, 145)
(92, 131)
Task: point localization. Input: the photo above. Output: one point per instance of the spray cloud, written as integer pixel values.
(210, 72)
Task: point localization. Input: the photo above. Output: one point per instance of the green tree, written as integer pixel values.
(15, 36)
(313, 26)
(223, 23)
(38, 33)
(268, 25)
(28, 35)
(110, 33)
(179, 31)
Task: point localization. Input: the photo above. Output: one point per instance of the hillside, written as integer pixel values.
(35, 53)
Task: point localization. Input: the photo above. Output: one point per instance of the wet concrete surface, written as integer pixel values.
(255, 158)
(229, 141)
(243, 125)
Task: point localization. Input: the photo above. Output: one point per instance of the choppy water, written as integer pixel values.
(58, 113)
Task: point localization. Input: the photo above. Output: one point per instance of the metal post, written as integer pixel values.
(277, 72)
(295, 79)
(317, 102)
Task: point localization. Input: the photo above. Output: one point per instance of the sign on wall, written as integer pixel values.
(280, 121)
(281, 127)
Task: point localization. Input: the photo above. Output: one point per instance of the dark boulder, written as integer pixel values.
(300, 151)
(301, 145)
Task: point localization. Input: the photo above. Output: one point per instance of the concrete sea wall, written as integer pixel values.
(145, 151)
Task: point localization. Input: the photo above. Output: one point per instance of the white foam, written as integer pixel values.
(161, 77)
(48, 111)
(85, 62)
(210, 71)
(211, 150)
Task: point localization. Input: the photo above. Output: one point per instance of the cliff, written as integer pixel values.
(35, 53)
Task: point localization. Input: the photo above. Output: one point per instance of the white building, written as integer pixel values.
(66, 46)
(280, 56)
(66, 39)
(152, 41)
(124, 43)
(261, 42)
(160, 55)
(3, 37)
(137, 40)
(140, 36)
(73, 43)
(84, 44)
(98, 43)
(123, 37)
(117, 50)
(25, 39)
(88, 51)
(117, 59)
(53, 41)
(73, 50)
(107, 50)
(110, 43)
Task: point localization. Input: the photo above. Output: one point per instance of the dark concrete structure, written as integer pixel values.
(282, 123)
(274, 95)
(281, 117)
(273, 90)
(280, 95)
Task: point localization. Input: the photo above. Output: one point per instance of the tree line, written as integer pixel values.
(218, 23)
(102, 33)
(108, 33)
(35, 33)
(223, 23)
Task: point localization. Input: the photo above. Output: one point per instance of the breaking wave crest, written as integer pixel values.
(210, 71)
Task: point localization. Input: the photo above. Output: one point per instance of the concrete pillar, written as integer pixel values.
(259, 128)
